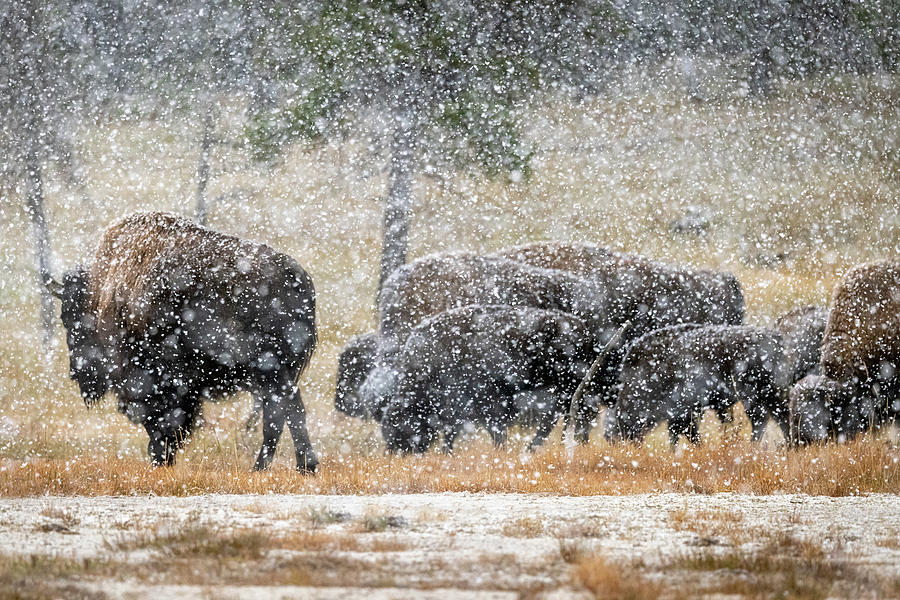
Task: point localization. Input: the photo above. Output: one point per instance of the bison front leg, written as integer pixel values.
(758, 417)
(162, 446)
(168, 433)
(587, 414)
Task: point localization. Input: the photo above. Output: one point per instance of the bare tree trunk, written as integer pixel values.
(203, 166)
(34, 205)
(398, 204)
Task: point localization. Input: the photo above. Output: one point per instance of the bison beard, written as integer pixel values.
(170, 314)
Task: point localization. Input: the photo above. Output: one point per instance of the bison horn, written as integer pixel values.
(53, 286)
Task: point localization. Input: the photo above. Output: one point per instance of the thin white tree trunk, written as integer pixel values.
(398, 204)
(203, 167)
(34, 205)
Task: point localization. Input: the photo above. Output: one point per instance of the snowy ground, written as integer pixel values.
(429, 545)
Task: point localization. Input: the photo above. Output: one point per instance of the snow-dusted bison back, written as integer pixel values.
(170, 313)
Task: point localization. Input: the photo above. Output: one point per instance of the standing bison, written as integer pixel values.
(673, 374)
(484, 366)
(860, 382)
(170, 314)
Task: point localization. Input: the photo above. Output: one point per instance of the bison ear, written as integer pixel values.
(54, 287)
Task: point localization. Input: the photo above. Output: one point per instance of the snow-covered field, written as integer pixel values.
(427, 545)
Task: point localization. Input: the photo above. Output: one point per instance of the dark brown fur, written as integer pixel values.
(484, 365)
(170, 313)
(863, 329)
(650, 293)
(674, 373)
(860, 386)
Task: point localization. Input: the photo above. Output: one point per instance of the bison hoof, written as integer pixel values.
(307, 464)
(308, 469)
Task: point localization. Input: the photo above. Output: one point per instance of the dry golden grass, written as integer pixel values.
(194, 540)
(796, 192)
(607, 580)
(865, 465)
(525, 527)
(711, 524)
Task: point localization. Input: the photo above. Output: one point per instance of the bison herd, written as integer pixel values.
(170, 314)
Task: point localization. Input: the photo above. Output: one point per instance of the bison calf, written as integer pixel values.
(170, 314)
(483, 365)
(674, 373)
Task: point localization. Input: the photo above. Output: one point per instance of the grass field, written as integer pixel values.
(796, 190)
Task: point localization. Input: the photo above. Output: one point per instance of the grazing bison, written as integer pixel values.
(860, 383)
(602, 287)
(436, 284)
(676, 372)
(484, 365)
(648, 293)
(821, 409)
(357, 359)
(802, 329)
(170, 314)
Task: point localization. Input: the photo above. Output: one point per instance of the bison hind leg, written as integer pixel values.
(281, 404)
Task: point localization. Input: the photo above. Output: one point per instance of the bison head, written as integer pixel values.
(821, 407)
(406, 430)
(354, 364)
(88, 364)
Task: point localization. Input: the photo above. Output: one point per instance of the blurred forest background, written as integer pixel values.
(758, 136)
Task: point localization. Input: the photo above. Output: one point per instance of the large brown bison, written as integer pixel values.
(170, 314)
(484, 366)
(674, 373)
(860, 383)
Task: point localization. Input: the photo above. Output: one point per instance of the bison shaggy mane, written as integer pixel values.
(863, 330)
